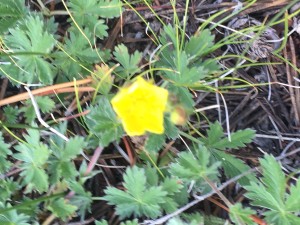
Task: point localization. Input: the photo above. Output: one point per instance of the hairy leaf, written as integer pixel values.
(30, 37)
(137, 200)
(103, 122)
(270, 193)
(128, 62)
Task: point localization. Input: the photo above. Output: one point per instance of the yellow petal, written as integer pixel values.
(141, 107)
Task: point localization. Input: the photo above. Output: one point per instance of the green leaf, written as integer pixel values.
(31, 38)
(45, 104)
(8, 188)
(10, 114)
(34, 156)
(184, 96)
(77, 47)
(12, 217)
(103, 122)
(10, 13)
(239, 214)
(129, 63)
(82, 199)
(4, 152)
(271, 194)
(102, 222)
(73, 148)
(61, 208)
(87, 13)
(293, 200)
(137, 200)
(195, 166)
(216, 140)
(199, 43)
(62, 165)
(154, 142)
(233, 166)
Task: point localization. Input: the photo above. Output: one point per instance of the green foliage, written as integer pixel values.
(10, 13)
(4, 152)
(184, 72)
(31, 38)
(12, 217)
(216, 142)
(140, 198)
(195, 166)
(238, 214)
(86, 14)
(11, 114)
(129, 63)
(270, 193)
(34, 156)
(61, 208)
(103, 122)
(83, 56)
(61, 164)
(45, 104)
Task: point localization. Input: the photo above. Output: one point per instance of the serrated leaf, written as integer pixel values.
(270, 193)
(199, 43)
(184, 96)
(82, 199)
(11, 114)
(72, 148)
(195, 166)
(77, 47)
(233, 166)
(154, 142)
(87, 13)
(129, 62)
(12, 217)
(45, 104)
(30, 37)
(293, 200)
(239, 214)
(10, 13)
(4, 152)
(216, 140)
(137, 200)
(103, 122)
(61, 208)
(34, 156)
(132, 222)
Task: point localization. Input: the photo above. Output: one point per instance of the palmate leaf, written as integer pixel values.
(10, 13)
(62, 166)
(199, 43)
(29, 37)
(195, 166)
(217, 142)
(233, 166)
(87, 13)
(137, 200)
(270, 194)
(77, 47)
(34, 156)
(129, 62)
(103, 122)
(45, 104)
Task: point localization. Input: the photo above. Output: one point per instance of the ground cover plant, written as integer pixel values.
(149, 112)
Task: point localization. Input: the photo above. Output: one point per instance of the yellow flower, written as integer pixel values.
(141, 107)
